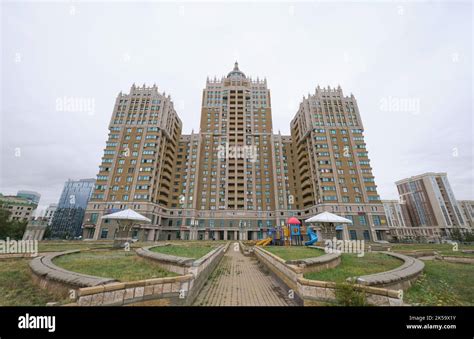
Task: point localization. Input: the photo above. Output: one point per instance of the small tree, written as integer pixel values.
(11, 228)
(456, 235)
(469, 237)
(347, 294)
(47, 233)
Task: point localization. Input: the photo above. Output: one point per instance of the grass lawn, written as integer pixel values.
(191, 250)
(353, 266)
(444, 249)
(66, 245)
(443, 284)
(116, 264)
(294, 252)
(17, 287)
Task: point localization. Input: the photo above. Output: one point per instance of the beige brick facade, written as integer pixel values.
(235, 178)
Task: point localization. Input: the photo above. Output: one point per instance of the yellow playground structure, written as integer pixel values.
(264, 242)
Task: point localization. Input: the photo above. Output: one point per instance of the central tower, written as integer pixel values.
(236, 155)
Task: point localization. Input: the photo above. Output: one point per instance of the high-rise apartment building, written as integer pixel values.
(235, 178)
(69, 214)
(467, 207)
(430, 202)
(137, 169)
(332, 167)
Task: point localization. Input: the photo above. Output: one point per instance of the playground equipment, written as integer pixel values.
(291, 234)
(294, 226)
(329, 225)
(286, 235)
(264, 242)
(313, 237)
(278, 236)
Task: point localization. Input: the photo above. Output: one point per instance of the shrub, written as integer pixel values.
(348, 295)
(10, 228)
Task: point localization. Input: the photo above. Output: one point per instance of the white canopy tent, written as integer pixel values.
(329, 217)
(328, 223)
(127, 214)
(125, 219)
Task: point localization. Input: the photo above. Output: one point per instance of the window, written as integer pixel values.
(353, 234)
(104, 232)
(376, 219)
(362, 220)
(366, 235)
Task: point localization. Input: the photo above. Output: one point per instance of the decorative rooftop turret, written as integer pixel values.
(236, 72)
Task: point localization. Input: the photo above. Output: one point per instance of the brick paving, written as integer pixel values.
(242, 281)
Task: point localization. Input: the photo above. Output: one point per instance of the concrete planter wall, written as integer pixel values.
(246, 250)
(288, 273)
(378, 247)
(380, 289)
(179, 265)
(16, 255)
(173, 291)
(317, 264)
(98, 291)
(180, 290)
(454, 259)
(401, 277)
(313, 290)
(58, 280)
(417, 253)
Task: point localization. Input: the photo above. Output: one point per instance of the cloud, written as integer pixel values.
(372, 50)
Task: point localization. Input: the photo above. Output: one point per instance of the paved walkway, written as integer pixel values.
(241, 281)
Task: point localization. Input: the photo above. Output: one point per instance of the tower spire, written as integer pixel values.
(236, 71)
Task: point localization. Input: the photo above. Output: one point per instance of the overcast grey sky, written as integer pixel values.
(418, 54)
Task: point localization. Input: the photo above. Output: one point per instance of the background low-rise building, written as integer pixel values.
(49, 213)
(35, 229)
(68, 217)
(21, 208)
(30, 195)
